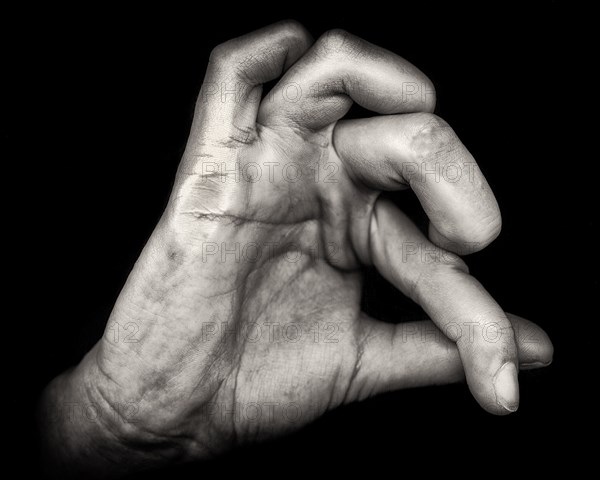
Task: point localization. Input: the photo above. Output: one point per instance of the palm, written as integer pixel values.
(274, 285)
(290, 279)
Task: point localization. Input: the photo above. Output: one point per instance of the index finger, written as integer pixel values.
(421, 151)
(341, 68)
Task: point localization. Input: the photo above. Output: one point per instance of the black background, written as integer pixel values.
(99, 104)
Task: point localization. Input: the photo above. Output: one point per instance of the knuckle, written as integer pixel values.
(430, 95)
(240, 51)
(293, 28)
(433, 138)
(233, 61)
(222, 54)
(336, 41)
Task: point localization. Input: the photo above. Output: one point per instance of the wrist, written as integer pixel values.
(84, 430)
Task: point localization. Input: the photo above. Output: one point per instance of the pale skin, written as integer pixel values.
(218, 348)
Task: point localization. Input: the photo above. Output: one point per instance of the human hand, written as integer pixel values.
(247, 295)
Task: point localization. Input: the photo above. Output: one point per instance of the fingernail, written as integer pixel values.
(532, 365)
(507, 387)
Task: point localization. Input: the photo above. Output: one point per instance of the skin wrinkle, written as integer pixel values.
(237, 367)
(238, 349)
(134, 429)
(107, 374)
(208, 183)
(276, 293)
(359, 344)
(370, 379)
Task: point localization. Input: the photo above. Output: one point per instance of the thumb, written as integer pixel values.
(418, 354)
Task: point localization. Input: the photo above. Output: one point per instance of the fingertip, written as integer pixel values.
(535, 347)
(496, 391)
(496, 409)
(535, 350)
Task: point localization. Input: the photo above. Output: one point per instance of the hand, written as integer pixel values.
(241, 319)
